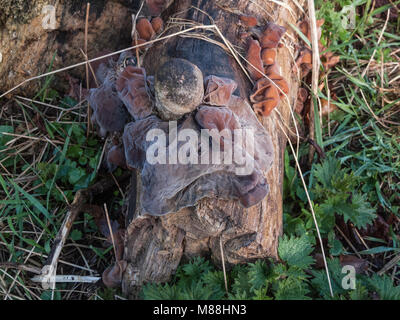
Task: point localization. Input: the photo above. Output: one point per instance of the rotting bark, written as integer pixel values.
(28, 49)
(155, 245)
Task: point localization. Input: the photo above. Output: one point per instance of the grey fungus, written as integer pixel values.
(109, 112)
(178, 87)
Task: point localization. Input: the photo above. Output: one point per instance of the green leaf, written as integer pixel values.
(76, 235)
(258, 274)
(384, 287)
(292, 289)
(295, 251)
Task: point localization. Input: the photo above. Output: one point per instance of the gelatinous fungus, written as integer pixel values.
(302, 97)
(169, 186)
(108, 110)
(132, 89)
(112, 276)
(255, 64)
(145, 29)
(116, 158)
(157, 24)
(156, 6)
(271, 36)
(248, 21)
(268, 90)
(218, 90)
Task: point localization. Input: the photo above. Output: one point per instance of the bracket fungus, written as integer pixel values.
(178, 87)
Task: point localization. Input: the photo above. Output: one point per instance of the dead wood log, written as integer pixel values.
(155, 245)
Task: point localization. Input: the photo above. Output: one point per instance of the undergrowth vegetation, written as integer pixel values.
(353, 183)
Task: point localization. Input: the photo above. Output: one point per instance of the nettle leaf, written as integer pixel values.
(241, 287)
(327, 171)
(355, 209)
(258, 274)
(261, 294)
(292, 289)
(359, 293)
(194, 270)
(384, 287)
(216, 283)
(196, 291)
(320, 281)
(159, 292)
(295, 251)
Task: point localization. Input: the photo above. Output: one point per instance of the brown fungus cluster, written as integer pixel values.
(304, 62)
(129, 100)
(270, 86)
(146, 30)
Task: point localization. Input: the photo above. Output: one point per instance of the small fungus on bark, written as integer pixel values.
(218, 90)
(133, 90)
(255, 64)
(116, 158)
(157, 24)
(145, 29)
(271, 36)
(248, 21)
(108, 110)
(178, 87)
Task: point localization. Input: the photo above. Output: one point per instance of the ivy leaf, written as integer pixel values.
(295, 251)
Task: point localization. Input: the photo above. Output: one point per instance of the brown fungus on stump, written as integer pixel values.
(265, 98)
(254, 64)
(271, 36)
(133, 90)
(109, 112)
(112, 276)
(145, 29)
(169, 186)
(218, 90)
(178, 87)
(116, 158)
(157, 24)
(302, 97)
(155, 7)
(304, 62)
(248, 21)
(268, 56)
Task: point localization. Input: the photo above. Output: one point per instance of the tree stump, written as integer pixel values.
(154, 246)
(37, 34)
